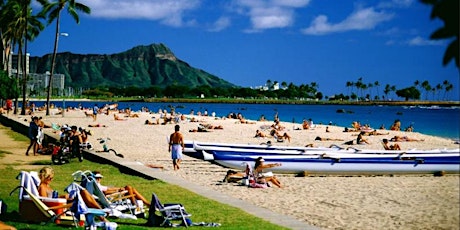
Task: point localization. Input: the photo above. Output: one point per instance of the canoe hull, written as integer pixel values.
(359, 166)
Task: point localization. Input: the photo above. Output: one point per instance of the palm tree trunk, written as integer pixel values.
(53, 64)
(24, 79)
(18, 67)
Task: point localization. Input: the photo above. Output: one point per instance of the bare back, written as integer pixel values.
(176, 138)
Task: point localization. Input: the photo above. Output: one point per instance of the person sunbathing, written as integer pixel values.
(372, 133)
(396, 126)
(260, 134)
(390, 147)
(267, 177)
(305, 124)
(46, 175)
(117, 118)
(280, 137)
(361, 140)
(210, 126)
(200, 129)
(318, 138)
(147, 122)
(404, 138)
(135, 195)
(96, 125)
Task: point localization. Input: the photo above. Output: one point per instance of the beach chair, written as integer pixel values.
(34, 209)
(39, 209)
(120, 201)
(80, 209)
(168, 213)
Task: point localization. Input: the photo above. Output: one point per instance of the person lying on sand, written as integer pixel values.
(209, 126)
(318, 138)
(117, 118)
(147, 122)
(404, 138)
(346, 130)
(260, 134)
(200, 129)
(96, 125)
(372, 133)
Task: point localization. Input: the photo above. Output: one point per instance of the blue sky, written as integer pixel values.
(248, 42)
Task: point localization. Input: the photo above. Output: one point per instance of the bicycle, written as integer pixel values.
(105, 148)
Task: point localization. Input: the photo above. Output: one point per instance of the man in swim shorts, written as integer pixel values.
(176, 146)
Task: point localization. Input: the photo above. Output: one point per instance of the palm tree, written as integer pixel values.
(12, 19)
(348, 85)
(269, 84)
(427, 87)
(52, 10)
(446, 84)
(284, 84)
(370, 86)
(448, 88)
(29, 29)
(438, 90)
(377, 84)
(447, 11)
(387, 90)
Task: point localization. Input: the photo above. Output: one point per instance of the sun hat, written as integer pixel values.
(98, 175)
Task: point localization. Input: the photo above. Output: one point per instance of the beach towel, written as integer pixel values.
(29, 181)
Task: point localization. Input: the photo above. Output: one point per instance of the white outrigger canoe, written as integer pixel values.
(342, 161)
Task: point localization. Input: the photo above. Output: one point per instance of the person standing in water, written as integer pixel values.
(176, 146)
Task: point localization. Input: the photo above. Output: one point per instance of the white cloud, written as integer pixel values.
(221, 24)
(420, 41)
(396, 4)
(170, 12)
(361, 19)
(265, 14)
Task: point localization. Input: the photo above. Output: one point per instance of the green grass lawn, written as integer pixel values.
(201, 208)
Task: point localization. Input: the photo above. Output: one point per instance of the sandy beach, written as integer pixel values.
(328, 202)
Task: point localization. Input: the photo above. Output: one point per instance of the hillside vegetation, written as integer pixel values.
(141, 66)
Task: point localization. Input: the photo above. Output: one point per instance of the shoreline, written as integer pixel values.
(263, 101)
(328, 202)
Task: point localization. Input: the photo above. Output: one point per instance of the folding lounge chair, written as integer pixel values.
(38, 211)
(169, 212)
(118, 201)
(30, 209)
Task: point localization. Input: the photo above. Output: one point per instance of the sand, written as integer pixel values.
(328, 202)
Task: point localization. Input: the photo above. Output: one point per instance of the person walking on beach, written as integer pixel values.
(176, 146)
(33, 133)
(95, 111)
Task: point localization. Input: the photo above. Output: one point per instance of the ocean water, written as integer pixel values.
(437, 121)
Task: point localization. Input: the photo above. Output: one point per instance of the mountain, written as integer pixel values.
(141, 66)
